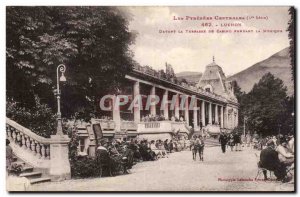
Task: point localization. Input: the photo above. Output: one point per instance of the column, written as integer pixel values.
(203, 113)
(166, 104)
(210, 114)
(222, 117)
(116, 114)
(195, 114)
(177, 107)
(136, 109)
(237, 117)
(216, 114)
(226, 125)
(186, 110)
(153, 106)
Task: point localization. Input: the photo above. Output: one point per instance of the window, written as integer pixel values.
(81, 144)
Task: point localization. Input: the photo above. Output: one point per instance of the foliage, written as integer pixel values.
(40, 119)
(240, 95)
(93, 42)
(291, 29)
(239, 129)
(266, 106)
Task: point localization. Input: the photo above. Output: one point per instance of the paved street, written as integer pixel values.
(180, 172)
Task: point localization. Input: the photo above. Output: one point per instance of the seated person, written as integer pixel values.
(284, 156)
(144, 151)
(154, 148)
(127, 159)
(270, 161)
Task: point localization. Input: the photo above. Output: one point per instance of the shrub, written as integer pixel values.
(40, 119)
(81, 167)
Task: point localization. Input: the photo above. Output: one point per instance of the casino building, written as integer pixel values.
(215, 107)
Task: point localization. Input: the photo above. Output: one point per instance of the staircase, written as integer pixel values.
(35, 152)
(32, 174)
(31, 151)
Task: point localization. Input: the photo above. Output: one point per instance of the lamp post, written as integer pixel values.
(60, 69)
(244, 125)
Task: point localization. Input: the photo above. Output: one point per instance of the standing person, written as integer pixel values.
(9, 156)
(223, 141)
(171, 146)
(201, 148)
(231, 141)
(192, 140)
(196, 148)
(166, 145)
(237, 141)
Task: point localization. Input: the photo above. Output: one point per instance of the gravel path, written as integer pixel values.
(232, 171)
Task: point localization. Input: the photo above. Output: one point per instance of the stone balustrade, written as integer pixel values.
(152, 124)
(128, 125)
(49, 154)
(27, 140)
(157, 127)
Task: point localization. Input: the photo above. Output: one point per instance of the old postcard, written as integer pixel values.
(147, 99)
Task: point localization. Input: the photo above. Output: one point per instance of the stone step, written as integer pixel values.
(27, 169)
(31, 175)
(40, 180)
(19, 163)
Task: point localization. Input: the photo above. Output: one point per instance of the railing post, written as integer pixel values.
(23, 141)
(43, 151)
(33, 147)
(38, 150)
(28, 143)
(59, 162)
(47, 152)
(14, 135)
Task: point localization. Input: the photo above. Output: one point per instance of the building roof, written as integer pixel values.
(215, 78)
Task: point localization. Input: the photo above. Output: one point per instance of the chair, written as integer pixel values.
(260, 169)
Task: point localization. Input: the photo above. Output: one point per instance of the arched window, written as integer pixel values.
(208, 88)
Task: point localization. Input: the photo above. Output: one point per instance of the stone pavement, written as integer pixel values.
(232, 171)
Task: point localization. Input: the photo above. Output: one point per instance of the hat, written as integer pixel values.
(270, 143)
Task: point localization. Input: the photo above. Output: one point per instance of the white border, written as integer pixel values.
(5, 3)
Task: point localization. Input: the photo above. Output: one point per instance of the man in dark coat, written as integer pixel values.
(223, 141)
(270, 161)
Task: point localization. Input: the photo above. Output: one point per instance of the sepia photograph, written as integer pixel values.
(150, 98)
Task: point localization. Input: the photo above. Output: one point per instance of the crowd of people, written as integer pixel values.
(277, 155)
(232, 140)
(128, 153)
(277, 152)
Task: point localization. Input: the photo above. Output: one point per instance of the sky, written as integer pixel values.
(234, 52)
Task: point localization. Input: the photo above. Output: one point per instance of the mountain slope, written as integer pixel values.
(278, 64)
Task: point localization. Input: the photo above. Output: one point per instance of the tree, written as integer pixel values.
(291, 30)
(266, 105)
(93, 42)
(240, 97)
